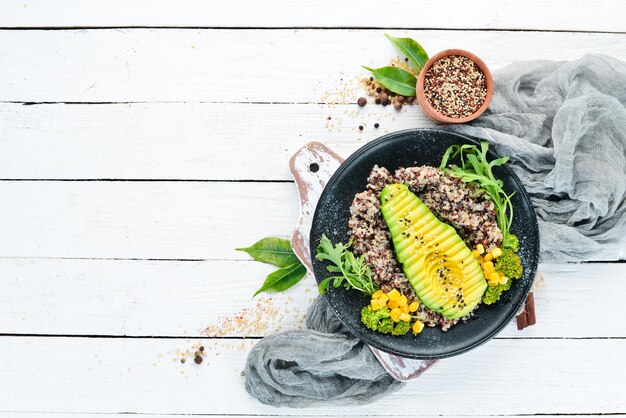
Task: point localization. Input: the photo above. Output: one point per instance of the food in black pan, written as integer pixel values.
(429, 244)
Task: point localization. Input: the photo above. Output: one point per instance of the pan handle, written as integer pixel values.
(312, 166)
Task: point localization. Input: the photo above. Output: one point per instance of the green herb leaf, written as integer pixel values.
(395, 79)
(283, 279)
(409, 47)
(476, 169)
(353, 272)
(276, 251)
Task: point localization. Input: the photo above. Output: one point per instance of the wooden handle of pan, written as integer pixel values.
(312, 166)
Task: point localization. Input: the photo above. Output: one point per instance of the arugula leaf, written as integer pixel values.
(475, 168)
(351, 272)
(276, 251)
(409, 47)
(283, 279)
(395, 79)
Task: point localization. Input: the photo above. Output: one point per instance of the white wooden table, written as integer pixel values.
(141, 143)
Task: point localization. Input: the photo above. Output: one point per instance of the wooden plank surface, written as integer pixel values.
(136, 376)
(181, 140)
(290, 66)
(157, 415)
(141, 220)
(173, 298)
(491, 14)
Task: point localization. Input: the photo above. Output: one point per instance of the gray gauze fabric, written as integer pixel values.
(564, 126)
(322, 365)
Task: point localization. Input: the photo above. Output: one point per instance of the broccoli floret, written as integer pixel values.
(370, 318)
(379, 320)
(511, 242)
(493, 293)
(376, 320)
(401, 328)
(386, 326)
(509, 264)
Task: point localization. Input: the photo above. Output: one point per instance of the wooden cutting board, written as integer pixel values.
(312, 166)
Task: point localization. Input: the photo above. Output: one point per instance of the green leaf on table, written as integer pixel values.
(276, 251)
(283, 279)
(409, 47)
(395, 79)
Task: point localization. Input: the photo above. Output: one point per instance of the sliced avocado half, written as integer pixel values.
(440, 267)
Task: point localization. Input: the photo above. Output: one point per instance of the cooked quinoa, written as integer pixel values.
(449, 198)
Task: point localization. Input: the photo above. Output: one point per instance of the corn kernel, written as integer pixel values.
(480, 248)
(395, 314)
(494, 276)
(414, 306)
(392, 304)
(377, 294)
(404, 309)
(403, 301)
(394, 295)
(417, 327)
(488, 266)
(488, 257)
(496, 252)
(405, 317)
(503, 279)
(383, 299)
(376, 305)
(475, 253)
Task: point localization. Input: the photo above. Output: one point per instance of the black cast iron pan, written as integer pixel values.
(405, 149)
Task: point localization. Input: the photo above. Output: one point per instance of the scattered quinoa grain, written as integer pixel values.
(197, 359)
(376, 125)
(397, 105)
(360, 127)
(362, 101)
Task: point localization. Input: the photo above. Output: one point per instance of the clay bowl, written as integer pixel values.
(426, 106)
